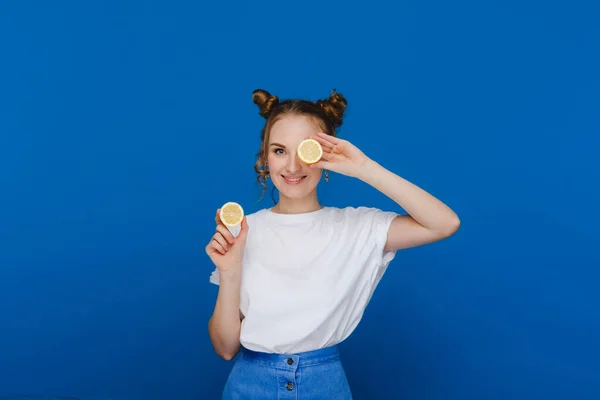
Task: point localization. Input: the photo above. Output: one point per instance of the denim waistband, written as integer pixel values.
(292, 361)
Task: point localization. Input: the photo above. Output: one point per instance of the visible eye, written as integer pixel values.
(277, 151)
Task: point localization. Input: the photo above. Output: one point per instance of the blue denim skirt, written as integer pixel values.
(312, 375)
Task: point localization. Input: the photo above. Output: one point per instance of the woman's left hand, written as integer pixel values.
(339, 155)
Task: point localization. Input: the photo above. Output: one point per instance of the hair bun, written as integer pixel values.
(265, 101)
(334, 107)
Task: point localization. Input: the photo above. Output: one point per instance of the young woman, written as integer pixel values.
(295, 282)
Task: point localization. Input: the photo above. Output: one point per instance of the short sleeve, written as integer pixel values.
(377, 223)
(381, 226)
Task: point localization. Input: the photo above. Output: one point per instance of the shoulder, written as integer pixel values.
(256, 214)
(257, 218)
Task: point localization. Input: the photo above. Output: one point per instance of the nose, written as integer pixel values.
(294, 163)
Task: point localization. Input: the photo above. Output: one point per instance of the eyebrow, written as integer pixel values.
(278, 145)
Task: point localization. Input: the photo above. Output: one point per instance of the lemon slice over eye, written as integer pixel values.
(231, 214)
(310, 151)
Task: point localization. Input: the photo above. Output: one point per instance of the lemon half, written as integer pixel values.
(310, 151)
(231, 214)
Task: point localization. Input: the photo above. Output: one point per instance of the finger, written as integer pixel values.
(217, 246)
(326, 148)
(322, 141)
(244, 231)
(337, 149)
(325, 139)
(331, 139)
(221, 240)
(226, 233)
(332, 157)
(321, 165)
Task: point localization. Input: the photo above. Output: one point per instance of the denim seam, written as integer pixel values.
(320, 363)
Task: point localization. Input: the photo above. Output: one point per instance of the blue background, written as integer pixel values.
(124, 125)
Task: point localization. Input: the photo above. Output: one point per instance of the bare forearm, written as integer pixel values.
(224, 325)
(422, 206)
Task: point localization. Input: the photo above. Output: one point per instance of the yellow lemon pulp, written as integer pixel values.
(310, 151)
(231, 214)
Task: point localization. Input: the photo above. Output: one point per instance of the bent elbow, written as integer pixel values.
(226, 354)
(455, 226)
(451, 228)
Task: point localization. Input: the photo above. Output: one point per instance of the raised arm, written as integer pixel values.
(428, 219)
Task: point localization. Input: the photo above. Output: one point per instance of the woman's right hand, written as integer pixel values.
(225, 250)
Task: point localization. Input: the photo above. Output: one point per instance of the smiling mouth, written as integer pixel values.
(293, 181)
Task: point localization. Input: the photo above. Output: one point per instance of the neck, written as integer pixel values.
(297, 206)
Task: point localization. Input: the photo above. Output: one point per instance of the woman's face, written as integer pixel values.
(289, 174)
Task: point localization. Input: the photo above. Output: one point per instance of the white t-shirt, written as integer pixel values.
(307, 278)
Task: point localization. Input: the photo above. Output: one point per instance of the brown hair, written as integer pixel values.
(327, 114)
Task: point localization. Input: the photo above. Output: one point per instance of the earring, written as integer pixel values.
(326, 176)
